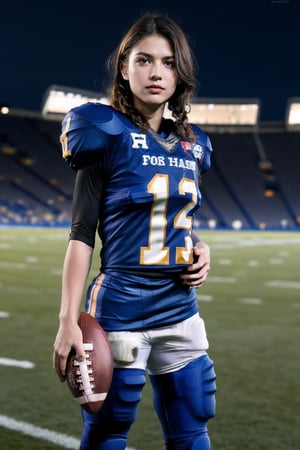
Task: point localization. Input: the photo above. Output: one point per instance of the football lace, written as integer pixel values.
(84, 372)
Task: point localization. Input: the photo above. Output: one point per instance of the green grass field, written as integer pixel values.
(251, 306)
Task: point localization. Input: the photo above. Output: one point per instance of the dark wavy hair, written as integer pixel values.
(179, 104)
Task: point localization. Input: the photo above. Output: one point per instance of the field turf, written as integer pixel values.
(251, 306)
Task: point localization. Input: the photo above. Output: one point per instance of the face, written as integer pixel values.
(150, 71)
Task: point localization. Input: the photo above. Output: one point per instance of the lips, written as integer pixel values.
(155, 88)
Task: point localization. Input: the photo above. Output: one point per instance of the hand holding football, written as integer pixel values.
(89, 380)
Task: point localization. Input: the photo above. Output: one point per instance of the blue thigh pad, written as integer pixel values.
(109, 428)
(184, 401)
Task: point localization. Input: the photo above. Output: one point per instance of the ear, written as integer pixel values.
(123, 69)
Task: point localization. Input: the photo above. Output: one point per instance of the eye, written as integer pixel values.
(170, 63)
(142, 60)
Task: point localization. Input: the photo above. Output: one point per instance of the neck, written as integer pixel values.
(153, 113)
(155, 122)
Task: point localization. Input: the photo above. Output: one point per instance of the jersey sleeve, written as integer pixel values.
(87, 198)
(202, 149)
(206, 161)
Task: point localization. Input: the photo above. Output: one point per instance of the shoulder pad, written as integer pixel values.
(104, 117)
(86, 132)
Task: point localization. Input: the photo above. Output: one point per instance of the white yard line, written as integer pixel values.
(16, 363)
(41, 433)
(251, 301)
(205, 298)
(63, 440)
(227, 280)
(285, 284)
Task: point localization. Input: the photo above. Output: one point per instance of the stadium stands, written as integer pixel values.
(35, 184)
(251, 189)
(253, 183)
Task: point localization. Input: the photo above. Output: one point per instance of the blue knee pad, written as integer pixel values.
(184, 401)
(109, 428)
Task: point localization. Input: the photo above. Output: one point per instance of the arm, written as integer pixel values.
(75, 271)
(197, 272)
(86, 201)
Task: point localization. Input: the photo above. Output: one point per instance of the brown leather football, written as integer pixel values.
(89, 380)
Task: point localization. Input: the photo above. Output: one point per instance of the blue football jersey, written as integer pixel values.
(151, 189)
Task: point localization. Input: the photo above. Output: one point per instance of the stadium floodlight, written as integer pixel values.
(232, 112)
(293, 113)
(4, 109)
(58, 100)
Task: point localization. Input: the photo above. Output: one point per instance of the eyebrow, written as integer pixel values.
(141, 53)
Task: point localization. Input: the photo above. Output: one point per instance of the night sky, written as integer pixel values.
(245, 48)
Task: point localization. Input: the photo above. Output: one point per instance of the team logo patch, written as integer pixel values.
(186, 145)
(198, 151)
(139, 141)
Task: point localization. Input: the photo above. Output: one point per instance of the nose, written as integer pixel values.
(155, 73)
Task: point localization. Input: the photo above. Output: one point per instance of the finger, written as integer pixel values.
(203, 256)
(195, 280)
(196, 274)
(202, 264)
(59, 365)
(80, 353)
(193, 284)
